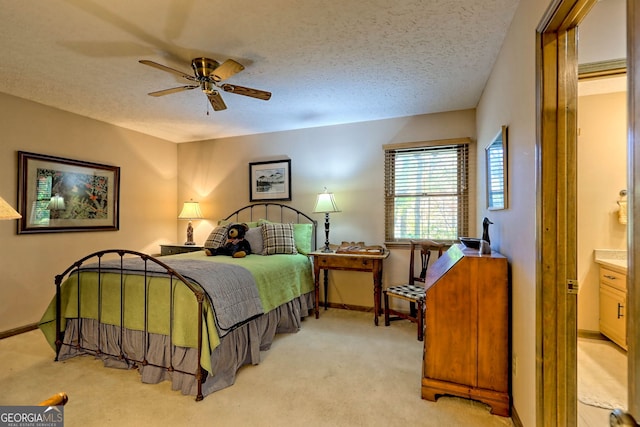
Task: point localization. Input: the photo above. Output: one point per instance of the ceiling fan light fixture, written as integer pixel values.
(207, 87)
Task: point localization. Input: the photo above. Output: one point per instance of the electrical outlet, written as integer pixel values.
(514, 365)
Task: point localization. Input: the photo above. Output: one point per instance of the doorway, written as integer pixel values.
(556, 184)
(602, 223)
(602, 246)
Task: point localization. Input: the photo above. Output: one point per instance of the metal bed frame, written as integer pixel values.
(256, 210)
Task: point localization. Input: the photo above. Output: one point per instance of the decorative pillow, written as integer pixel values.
(217, 237)
(278, 239)
(302, 234)
(254, 237)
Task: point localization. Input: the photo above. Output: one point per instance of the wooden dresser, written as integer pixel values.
(466, 345)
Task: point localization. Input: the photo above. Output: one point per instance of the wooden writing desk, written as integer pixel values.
(353, 262)
(466, 344)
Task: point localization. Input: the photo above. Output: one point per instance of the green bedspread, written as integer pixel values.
(279, 279)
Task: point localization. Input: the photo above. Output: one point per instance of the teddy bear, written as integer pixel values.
(236, 245)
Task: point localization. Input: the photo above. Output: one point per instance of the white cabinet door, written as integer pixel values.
(613, 304)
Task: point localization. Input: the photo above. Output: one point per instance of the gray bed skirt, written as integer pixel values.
(239, 347)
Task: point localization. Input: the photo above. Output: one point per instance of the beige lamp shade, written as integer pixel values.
(326, 203)
(7, 212)
(190, 210)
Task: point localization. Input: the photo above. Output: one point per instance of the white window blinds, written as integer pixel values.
(427, 191)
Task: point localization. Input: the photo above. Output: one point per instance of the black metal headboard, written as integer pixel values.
(275, 212)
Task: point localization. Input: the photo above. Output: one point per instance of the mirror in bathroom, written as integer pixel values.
(496, 158)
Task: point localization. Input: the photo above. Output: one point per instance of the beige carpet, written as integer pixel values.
(602, 374)
(339, 370)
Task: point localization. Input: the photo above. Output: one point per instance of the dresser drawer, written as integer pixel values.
(178, 249)
(345, 263)
(613, 278)
(169, 250)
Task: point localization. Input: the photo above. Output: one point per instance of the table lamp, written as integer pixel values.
(190, 211)
(7, 212)
(326, 204)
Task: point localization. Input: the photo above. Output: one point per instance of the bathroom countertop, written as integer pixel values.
(614, 259)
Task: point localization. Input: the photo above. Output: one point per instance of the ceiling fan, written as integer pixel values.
(208, 75)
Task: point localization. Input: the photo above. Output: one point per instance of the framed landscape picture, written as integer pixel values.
(57, 194)
(270, 180)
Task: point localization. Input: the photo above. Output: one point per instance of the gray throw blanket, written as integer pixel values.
(231, 288)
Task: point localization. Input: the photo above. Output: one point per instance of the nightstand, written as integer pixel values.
(179, 249)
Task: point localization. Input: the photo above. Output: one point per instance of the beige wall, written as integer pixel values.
(148, 204)
(509, 99)
(602, 173)
(347, 159)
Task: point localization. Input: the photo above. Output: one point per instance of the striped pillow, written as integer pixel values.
(278, 239)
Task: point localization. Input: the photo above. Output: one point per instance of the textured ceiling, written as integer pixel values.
(325, 61)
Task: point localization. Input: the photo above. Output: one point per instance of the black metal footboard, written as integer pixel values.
(95, 261)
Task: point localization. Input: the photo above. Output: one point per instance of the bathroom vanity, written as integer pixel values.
(613, 295)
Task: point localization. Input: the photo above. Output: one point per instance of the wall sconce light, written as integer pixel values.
(190, 211)
(7, 212)
(326, 204)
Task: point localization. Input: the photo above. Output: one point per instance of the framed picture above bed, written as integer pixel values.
(57, 194)
(270, 180)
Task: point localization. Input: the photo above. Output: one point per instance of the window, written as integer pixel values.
(427, 190)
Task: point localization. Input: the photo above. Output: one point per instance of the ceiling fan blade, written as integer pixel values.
(227, 69)
(172, 90)
(247, 91)
(216, 101)
(168, 69)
